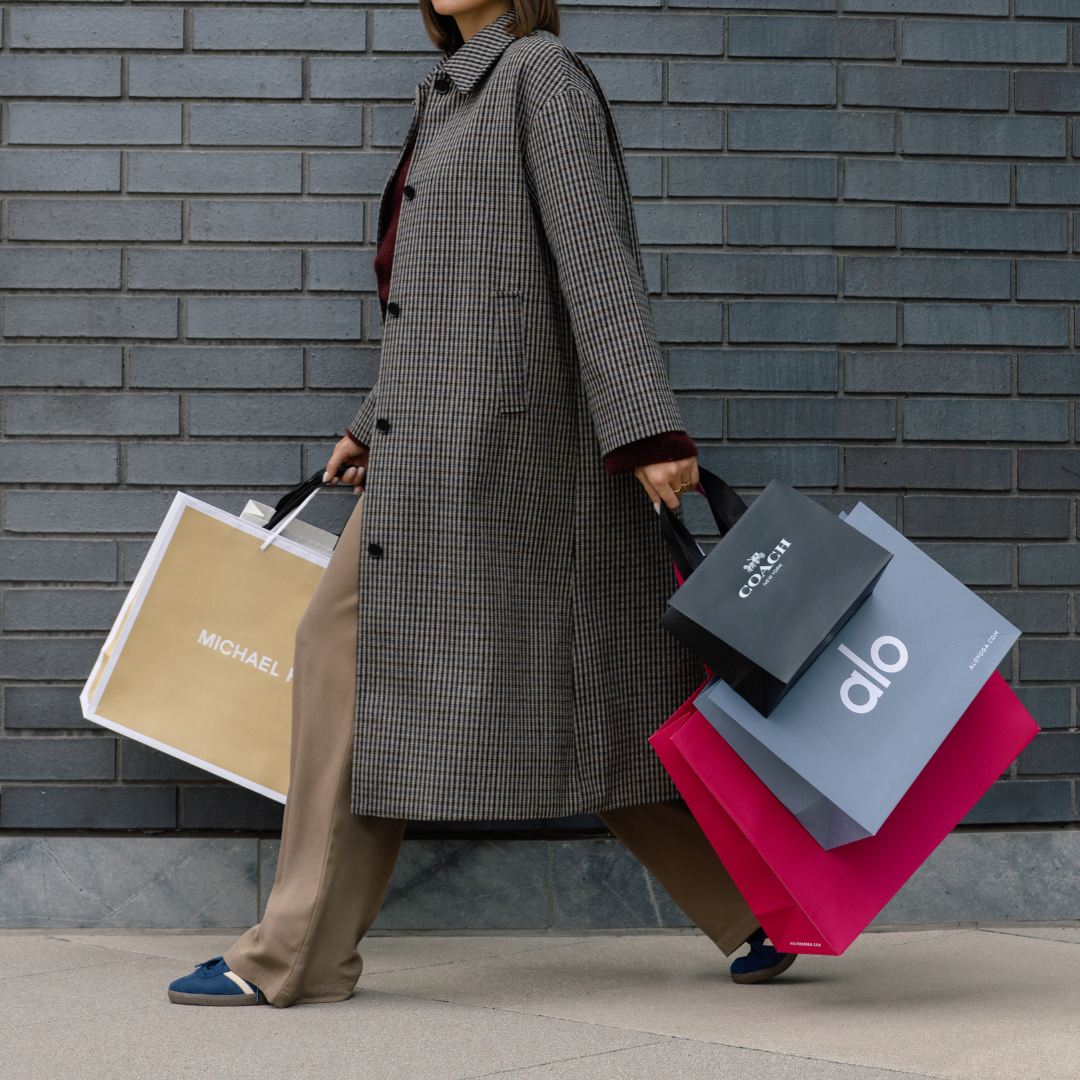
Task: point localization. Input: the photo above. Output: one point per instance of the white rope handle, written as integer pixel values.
(286, 521)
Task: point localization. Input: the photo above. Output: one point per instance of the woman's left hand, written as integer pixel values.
(667, 481)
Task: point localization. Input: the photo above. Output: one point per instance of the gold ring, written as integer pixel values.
(680, 489)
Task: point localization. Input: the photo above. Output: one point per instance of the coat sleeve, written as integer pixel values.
(364, 422)
(578, 181)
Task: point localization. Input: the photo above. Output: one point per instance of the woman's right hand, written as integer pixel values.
(347, 452)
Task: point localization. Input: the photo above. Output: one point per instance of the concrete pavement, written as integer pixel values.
(987, 1003)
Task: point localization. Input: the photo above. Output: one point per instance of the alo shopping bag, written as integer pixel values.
(784, 578)
(810, 900)
(850, 738)
(199, 661)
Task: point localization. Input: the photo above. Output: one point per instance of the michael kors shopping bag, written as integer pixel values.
(199, 661)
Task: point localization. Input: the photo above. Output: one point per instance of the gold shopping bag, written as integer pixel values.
(199, 661)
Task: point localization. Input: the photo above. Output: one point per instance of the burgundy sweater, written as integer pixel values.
(667, 446)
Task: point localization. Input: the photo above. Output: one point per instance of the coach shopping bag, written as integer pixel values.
(784, 578)
(810, 900)
(199, 661)
(850, 738)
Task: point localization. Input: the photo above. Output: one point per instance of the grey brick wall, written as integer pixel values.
(858, 221)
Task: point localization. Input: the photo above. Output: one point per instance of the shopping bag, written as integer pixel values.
(810, 900)
(199, 661)
(864, 720)
(784, 578)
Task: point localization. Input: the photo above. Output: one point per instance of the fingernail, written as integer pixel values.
(656, 507)
(360, 472)
(325, 476)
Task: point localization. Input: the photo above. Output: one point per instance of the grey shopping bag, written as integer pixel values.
(843, 747)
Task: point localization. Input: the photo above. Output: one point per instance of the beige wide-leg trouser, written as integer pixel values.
(334, 866)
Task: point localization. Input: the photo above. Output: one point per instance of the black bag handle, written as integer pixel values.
(727, 507)
(292, 499)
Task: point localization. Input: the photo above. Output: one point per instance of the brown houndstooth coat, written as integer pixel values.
(510, 662)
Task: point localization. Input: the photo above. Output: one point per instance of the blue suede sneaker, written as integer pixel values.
(213, 983)
(761, 963)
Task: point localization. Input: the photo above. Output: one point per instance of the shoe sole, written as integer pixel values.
(766, 973)
(178, 998)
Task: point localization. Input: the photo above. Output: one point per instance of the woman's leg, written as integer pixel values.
(333, 867)
(669, 842)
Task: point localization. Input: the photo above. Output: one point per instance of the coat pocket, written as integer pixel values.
(512, 390)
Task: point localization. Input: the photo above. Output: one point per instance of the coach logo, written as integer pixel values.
(762, 567)
(873, 690)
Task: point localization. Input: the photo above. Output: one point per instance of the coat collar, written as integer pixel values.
(476, 57)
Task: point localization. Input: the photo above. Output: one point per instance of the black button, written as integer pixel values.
(442, 84)
(393, 308)
(383, 424)
(409, 191)
(374, 551)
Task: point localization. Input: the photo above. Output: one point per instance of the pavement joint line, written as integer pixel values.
(115, 948)
(94, 1016)
(1028, 937)
(905, 944)
(670, 1039)
(57, 971)
(660, 1035)
(574, 1057)
(466, 960)
(1034, 924)
(823, 1060)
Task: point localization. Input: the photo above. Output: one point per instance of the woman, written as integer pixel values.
(485, 643)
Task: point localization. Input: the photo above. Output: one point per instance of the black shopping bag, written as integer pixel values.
(783, 580)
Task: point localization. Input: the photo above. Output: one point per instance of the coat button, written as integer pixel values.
(393, 308)
(442, 84)
(375, 551)
(383, 424)
(409, 191)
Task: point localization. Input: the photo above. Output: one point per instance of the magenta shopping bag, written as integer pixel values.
(810, 900)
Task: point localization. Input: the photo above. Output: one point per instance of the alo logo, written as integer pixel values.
(761, 567)
(872, 689)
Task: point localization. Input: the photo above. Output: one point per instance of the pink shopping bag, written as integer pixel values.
(810, 900)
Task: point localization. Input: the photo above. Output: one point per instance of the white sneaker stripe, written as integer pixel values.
(239, 982)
